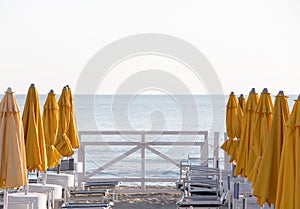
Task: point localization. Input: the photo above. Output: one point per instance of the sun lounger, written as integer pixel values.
(211, 202)
(111, 186)
(65, 180)
(26, 204)
(53, 191)
(39, 200)
(88, 205)
(88, 195)
(200, 186)
(91, 184)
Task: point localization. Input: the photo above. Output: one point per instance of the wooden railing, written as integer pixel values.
(142, 145)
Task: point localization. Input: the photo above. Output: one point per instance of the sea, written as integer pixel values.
(145, 113)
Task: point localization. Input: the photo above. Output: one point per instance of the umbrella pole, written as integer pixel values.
(58, 168)
(27, 183)
(5, 201)
(44, 178)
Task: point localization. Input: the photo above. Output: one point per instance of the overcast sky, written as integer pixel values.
(249, 44)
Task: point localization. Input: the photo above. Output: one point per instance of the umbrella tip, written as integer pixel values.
(241, 96)
(232, 93)
(9, 90)
(298, 97)
(265, 90)
(51, 91)
(252, 91)
(281, 93)
(32, 85)
(67, 86)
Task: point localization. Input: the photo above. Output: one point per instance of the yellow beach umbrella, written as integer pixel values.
(231, 113)
(263, 121)
(288, 188)
(63, 144)
(72, 132)
(50, 122)
(266, 183)
(36, 157)
(247, 129)
(12, 147)
(239, 116)
(234, 151)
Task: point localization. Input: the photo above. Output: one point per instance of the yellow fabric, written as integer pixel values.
(227, 145)
(289, 173)
(242, 103)
(263, 121)
(50, 121)
(239, 117)
(62, 143)
(231, 113)
(266, 182)
(247, 128)
(72, 132)
(234, 150)
(33, 133)
(12, 147)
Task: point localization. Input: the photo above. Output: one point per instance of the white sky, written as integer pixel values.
(250, 44)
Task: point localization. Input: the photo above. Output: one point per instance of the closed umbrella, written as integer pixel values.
(240, 115)
(63, 144)
(288, 188)
(72, 131)
(238, 129)
(263, 121)
(231, 113)
(50, 122)
(266, 183)
(247, 129)
(36, 157)
(12, 147)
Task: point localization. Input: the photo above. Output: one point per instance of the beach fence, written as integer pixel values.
(139, 158)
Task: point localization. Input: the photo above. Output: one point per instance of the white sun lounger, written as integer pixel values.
(53, 191)
(65, 180)
(88, 206)
(39, 200)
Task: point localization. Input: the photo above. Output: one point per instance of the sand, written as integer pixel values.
(147, 201)
(155, 201)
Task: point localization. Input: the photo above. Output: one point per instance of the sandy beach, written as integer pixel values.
(155, 201)
(147, 201)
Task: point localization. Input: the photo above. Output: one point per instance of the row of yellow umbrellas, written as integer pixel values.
(35, 141)
(53, 135)
(265, 130)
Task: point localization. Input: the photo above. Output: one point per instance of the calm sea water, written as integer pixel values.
(145, 113)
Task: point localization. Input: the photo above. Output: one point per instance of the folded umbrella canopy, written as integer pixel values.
(12, 147)
(266, 183)
(72, 132)
(234, 151)
(247, 129)
(262, 125)
(63, 144)
(50, 121)
(231, 114)
(240, 115)
(36, 157)
(288, 188)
